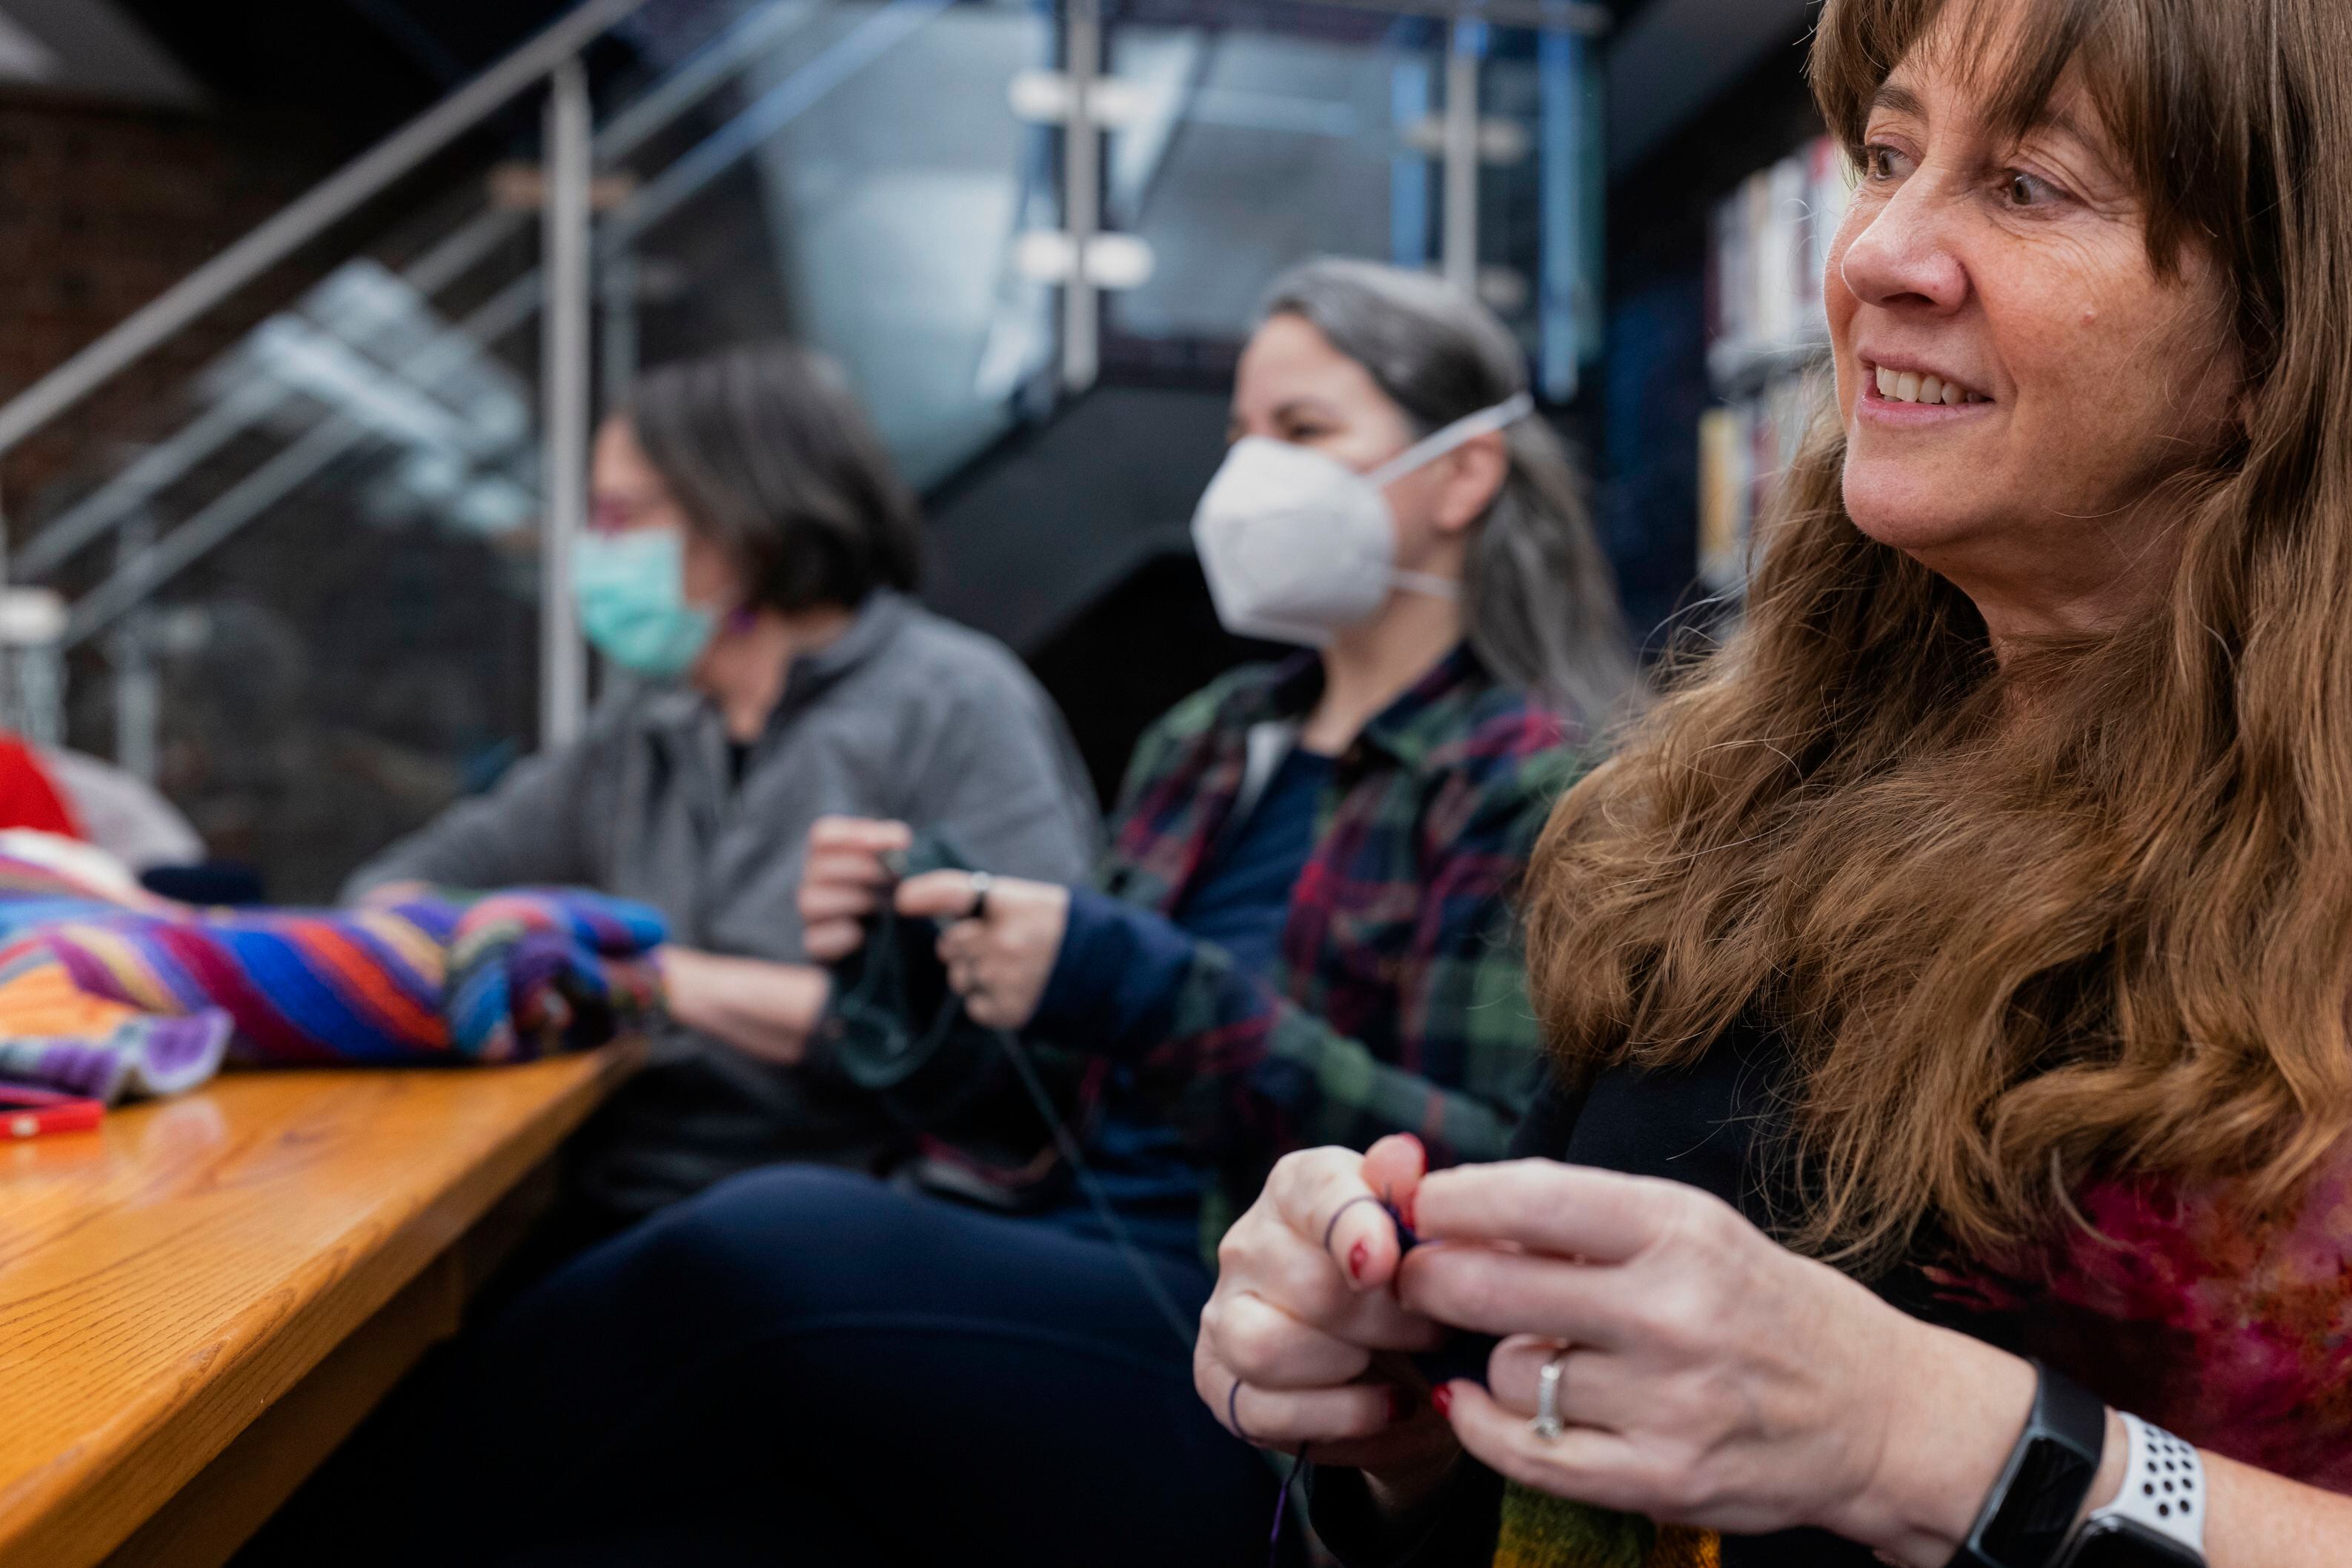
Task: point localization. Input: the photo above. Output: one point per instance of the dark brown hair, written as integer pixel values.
(771, 458)
(2013, 945)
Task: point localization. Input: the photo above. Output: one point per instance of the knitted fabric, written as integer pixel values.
(106, 991)
(1543, 1532)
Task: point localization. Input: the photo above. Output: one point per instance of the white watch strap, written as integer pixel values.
(2164, 1485)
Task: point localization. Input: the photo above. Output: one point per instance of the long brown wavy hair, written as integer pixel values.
(2014, 945)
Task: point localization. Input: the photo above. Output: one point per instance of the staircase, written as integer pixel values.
(317, 588)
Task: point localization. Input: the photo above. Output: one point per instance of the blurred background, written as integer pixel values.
(309, 305)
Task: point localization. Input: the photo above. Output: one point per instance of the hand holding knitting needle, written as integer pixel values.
(1304, 1308)
(1001, 936)
(1000, 946)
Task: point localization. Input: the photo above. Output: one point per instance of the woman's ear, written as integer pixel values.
(1473, 475)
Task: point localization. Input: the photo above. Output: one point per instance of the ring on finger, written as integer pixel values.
(981, 884)
(1547, 1424)
(1233, 1415)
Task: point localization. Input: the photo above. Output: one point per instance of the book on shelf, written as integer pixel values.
(1771, 242)
(1746, 447)
(1767, 331)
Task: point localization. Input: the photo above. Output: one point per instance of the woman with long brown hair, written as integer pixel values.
(1952, 979)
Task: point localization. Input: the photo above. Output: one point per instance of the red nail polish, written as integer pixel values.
(1357, 1255)
(1441, 1397)
(1404, 1211)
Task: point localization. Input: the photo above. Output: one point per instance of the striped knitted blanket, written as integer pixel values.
(108, 990)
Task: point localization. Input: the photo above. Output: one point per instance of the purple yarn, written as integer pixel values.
(1282, 1510)
(181, 1053)
(71, 1067)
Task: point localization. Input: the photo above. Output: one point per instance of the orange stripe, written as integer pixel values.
(363, 972)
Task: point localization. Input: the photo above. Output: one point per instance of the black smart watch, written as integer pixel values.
(2031, 1512)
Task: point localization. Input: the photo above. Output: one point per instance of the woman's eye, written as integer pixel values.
(1881, 163)
(2019, 189)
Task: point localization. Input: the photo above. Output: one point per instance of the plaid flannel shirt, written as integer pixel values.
(1398, 1000)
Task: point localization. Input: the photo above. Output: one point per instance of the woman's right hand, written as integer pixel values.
(1304, 1304)
(845, 880)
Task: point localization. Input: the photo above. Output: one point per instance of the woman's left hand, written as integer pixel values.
(1708, 1376)
(999, 961)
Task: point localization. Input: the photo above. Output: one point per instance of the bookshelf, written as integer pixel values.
(1766, 335)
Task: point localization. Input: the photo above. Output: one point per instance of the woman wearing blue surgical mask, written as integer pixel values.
(745, 577)
(1302, 931)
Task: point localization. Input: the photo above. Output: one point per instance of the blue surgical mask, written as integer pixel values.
(631, 590)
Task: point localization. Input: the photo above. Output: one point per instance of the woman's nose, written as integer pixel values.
(1903, 254)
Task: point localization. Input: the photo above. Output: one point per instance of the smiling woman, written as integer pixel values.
(2025, 344)
(1955, 969)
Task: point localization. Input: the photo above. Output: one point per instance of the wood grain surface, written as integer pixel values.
(166, 1279)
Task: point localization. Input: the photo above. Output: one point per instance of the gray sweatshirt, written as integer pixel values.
(905, 716)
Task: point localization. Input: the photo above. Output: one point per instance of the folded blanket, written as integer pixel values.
(107, 992)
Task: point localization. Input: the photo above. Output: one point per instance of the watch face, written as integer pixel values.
(2112, 1544)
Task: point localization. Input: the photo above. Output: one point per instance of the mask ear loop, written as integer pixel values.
(1430, 448)
(1469, 427)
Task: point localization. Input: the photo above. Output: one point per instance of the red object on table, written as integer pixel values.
(28, 1112)
(28, 797)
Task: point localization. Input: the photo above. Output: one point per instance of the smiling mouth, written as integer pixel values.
(1913, 386)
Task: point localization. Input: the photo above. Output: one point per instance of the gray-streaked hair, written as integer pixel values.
(768, 452)
(1540, 600)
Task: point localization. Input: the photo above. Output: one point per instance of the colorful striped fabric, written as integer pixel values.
(108, 992)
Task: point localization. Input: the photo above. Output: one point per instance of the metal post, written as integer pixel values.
(1081, 195)
(1464, 45)
(1409, 166)
(621, 286)
(563, 394)
(1560, 166)
(13, 707)
(137, 697)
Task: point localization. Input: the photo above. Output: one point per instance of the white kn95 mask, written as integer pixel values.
(1296, 545)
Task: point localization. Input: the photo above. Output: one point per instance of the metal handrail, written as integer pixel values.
(307, 218)
(573, 249)
(134, 579)
(709, 68)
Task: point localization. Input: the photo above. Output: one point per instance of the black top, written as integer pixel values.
(1716, 1127)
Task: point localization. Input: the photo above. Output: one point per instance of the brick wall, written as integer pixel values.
(101, 209)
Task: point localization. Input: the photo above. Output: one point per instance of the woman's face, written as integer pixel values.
(626, 491)
(2013, 374)
(1293, 386)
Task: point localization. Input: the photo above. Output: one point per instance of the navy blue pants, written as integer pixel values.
(804, 1366)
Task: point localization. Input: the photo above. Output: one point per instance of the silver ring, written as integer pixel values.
(981, 884)
(1546, 1423)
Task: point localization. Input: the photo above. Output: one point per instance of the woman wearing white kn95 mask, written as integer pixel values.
(1381, 503)
(1297, 545)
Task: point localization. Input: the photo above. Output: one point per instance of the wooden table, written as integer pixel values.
(199, 1300)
